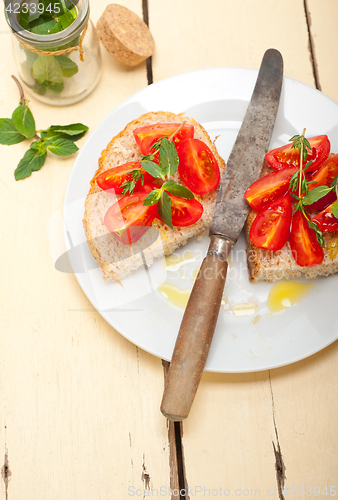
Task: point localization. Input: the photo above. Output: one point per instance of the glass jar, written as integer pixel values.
(60, 68)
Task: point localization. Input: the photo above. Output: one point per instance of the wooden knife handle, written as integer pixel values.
(196, 332)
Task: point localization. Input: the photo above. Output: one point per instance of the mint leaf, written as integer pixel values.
(66, 19)
(316, 194)
(45, 25)
(68, 67)
(168, 157)
(335, 209)
(73, 129)
(23, 121)
(31, 162)
(62, 147)
(39, 145)
(47, 72)
(153, 169)
(178, 190)
(153, 197)
(8, 133)
(164, 209)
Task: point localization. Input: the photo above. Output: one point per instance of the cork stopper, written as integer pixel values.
(125, 35)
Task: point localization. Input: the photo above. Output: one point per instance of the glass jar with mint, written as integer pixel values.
(56, 48)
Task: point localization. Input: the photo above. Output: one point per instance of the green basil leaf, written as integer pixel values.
(153, 169)
(24, 121)
(68, 67)
(316, 194)
(178, 190)
(153, 197)
(31, 162)
(335, 209)
(62, 147)
(164, 209)
(8, 133)
(73, 129)
(47, 71)
(168, 157)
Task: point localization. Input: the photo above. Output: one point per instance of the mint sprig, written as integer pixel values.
(47, 17)
(58, 139)
(299, 182)
(167, 166)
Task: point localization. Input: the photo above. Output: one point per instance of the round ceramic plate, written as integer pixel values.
(148, 309)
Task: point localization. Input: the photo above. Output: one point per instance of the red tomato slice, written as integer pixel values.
(268, 188)
(271, 227)
(305, 248)
(146, 136)
(185, 212)
(324, 177)
(113, 178)
(198, 167)
(128, 219)
(326, 221)
(284, 156)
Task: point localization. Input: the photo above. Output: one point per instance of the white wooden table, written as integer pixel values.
(79, 414)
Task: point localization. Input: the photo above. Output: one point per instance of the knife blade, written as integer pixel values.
(231, 210)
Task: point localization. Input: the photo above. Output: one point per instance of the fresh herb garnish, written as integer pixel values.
(305, 195)
(129, 186)
(167, 166)
(163, 170)
(59, 139)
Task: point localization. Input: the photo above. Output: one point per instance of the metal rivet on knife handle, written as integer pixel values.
(243, 168)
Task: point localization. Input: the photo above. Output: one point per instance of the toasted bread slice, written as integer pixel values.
(265, 265)
(115, 259)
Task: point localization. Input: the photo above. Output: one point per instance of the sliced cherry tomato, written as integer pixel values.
(198, 167)
(286, 156)
(113, 178)
(268, 188)
(326, 221)
(305, 248)
(147, 135)
(324, 177)
(128, 219)
(185, 212)
(271, 227)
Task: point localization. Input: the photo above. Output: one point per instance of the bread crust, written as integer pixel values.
(265, 265)
(116, 260)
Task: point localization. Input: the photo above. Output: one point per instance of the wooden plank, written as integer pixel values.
(324, 36)
(80, 404)
(198, 34)
(243, 431)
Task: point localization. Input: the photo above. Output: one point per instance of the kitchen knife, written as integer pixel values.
(243, 168)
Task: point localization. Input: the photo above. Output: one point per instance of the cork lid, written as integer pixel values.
(125, 35)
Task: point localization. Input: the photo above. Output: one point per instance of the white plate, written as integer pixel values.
(217, 98)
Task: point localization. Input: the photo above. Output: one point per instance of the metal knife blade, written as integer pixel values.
(246, 158)
(243, 168)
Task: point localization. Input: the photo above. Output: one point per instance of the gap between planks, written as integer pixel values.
(311, 47)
